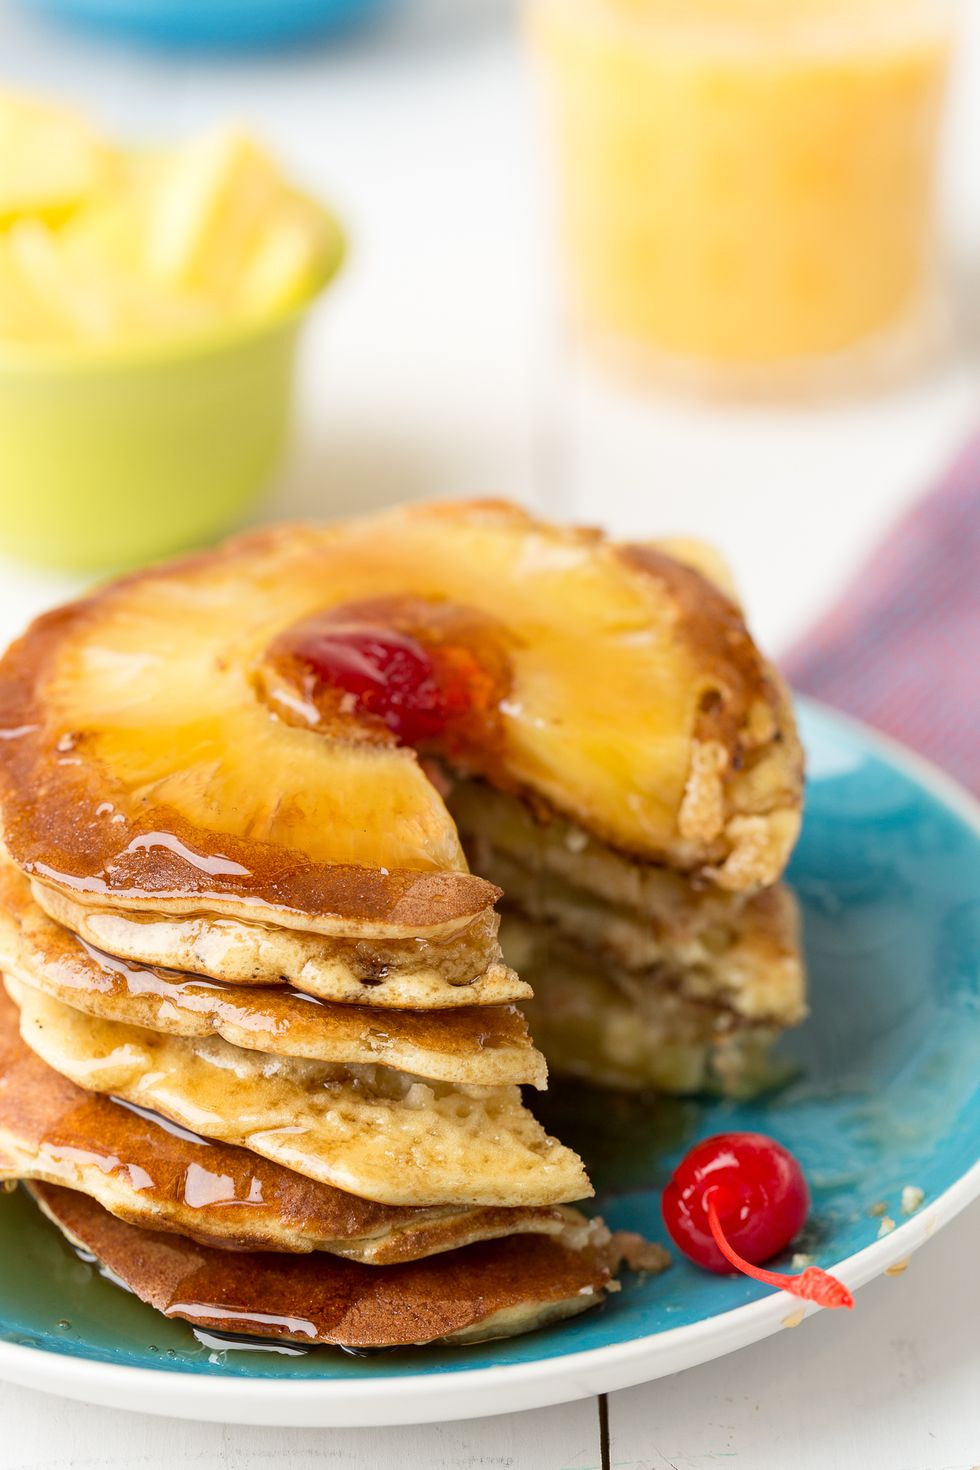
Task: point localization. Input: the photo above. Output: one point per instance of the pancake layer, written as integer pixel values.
(465, 969)
(738, 951)
(145, 1170)
(633, 1032)
(486, 1046)
(495, 1289)
(641, 978)
(372, 1131)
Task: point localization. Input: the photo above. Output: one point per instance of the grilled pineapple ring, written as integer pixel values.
(142, 760)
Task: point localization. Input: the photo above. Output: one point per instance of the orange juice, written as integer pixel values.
(746, 183)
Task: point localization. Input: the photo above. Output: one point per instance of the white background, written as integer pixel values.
(436, 367)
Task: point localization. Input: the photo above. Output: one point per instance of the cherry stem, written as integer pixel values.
(813, 1284)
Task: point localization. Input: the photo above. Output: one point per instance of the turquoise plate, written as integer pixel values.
(883, 1093)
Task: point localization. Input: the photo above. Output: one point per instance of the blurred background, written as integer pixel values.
(520, 310)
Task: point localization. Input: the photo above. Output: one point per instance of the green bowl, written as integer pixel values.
(112, 458)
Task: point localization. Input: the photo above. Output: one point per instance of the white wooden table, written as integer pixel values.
(435, 369)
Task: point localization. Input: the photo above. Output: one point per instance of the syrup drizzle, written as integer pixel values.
(192, 1181)
(216, 865)
(294, 1326)
(221, 1343)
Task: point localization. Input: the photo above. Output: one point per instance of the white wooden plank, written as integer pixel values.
(892, 1385)
(41, 1432)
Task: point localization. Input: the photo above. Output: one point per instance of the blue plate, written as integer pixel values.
(883, 1094)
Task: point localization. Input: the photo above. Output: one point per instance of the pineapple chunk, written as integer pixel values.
(157, 246)
(51, 300)
(110, 234)
(48, 293)
(51, 160)
(285, 264)
(208, 206)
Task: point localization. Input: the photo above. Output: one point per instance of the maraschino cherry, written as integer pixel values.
(385, 673)
(415, 671)
(738, 1199)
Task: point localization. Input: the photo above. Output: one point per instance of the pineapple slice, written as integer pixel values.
(143, 765)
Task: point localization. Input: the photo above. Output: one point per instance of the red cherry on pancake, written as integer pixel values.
(386, 674)
(735, 1201)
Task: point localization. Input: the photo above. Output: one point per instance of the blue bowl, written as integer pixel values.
(215, 24)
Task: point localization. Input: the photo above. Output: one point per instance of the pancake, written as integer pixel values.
(161, 1177)
(372, 1131)
(465, 969)
(740, 951)
(633, 1032)
(486, 1046)
(495, 1289)
(139, 723)
(641, 977)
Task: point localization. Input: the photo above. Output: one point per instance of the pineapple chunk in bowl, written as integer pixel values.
(147, 347)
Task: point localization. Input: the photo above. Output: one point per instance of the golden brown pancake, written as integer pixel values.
(616, 1028)
(161, 1177)
(736, 950)
(371, 1131)
(154, 761)
(403, 974)
(494, 1289)
(486, 1046)
(641, 977)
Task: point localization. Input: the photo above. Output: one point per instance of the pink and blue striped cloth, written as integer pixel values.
(901, 648)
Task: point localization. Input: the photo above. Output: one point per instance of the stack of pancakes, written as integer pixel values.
(264, 1117)
(262, 1113)
(262, 1001)
(212, 1232)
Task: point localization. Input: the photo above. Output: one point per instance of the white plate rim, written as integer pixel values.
(472, 1393)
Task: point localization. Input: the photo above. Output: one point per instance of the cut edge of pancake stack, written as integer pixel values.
(641, 977)
(239, 926)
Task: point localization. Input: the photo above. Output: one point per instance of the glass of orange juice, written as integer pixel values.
(747, 186)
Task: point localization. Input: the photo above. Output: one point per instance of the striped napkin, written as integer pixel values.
(901, 648)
